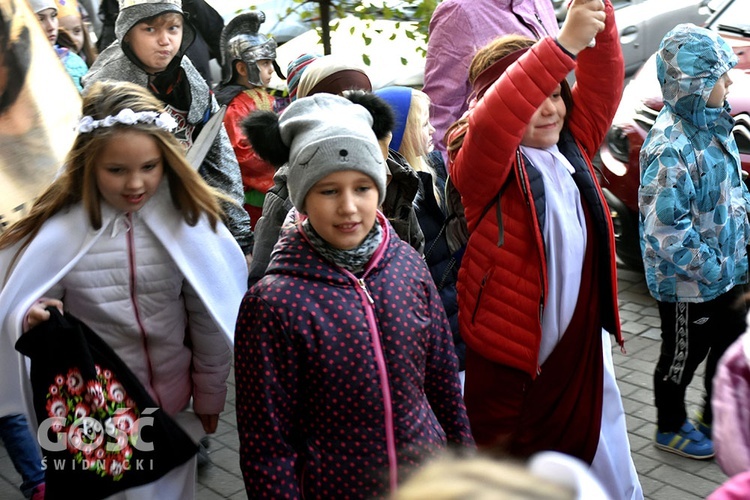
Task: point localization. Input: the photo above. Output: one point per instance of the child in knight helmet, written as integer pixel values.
(249, 60)
(129, 240)
(343, 389)
(537, 285)
(152, 37)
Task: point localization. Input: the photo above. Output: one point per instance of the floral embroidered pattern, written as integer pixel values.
(97, 420)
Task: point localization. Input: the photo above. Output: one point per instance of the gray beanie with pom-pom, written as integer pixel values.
(327, 133)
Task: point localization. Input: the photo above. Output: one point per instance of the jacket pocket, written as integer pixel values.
(485, 279)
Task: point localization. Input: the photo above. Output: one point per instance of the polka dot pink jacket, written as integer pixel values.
(343, 384)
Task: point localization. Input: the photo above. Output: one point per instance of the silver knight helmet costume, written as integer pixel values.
(240, 41)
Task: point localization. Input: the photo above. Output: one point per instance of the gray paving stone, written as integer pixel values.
(643, 395)
(650, 486)
(652, 333)
(633, 328)
(671, 493)
(689, 483)
(643, 464)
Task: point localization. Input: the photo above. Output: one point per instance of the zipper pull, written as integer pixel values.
(362, 285)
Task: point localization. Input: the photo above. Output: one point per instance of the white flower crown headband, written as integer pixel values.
(127, 116)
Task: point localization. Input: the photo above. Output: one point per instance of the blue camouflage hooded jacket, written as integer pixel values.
(693, 204)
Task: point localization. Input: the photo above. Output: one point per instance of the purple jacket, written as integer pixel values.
(459, 28)
(343, 383)
(731, 408)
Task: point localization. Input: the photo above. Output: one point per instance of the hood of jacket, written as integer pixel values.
(130, 16)
(689, 62)
(115, 64)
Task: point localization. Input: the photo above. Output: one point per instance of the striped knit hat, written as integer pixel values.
(294, 72)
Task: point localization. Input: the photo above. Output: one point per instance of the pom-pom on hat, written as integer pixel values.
(399, 98)
(327, 133)
(40, 5)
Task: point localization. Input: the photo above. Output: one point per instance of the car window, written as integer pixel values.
(734, 19)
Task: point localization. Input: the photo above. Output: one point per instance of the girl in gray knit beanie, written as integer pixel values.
(344, 363)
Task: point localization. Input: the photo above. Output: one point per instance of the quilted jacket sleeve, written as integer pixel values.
(267, 399)
(497, 123)
(600, 76)
(211, 357)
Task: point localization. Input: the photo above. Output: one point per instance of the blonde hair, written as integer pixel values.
(77, 181)
(479, 478)
(411, 146)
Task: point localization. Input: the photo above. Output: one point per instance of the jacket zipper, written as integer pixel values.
(134, 301)
(522, 177)
(385, 387)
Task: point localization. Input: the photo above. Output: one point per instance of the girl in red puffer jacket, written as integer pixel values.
(537, 285)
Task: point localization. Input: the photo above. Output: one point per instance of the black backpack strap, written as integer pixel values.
(498, 211)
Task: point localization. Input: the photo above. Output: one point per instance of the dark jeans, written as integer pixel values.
(23, 450)
(689, 332)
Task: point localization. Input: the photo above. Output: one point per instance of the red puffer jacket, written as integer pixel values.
(502, 289)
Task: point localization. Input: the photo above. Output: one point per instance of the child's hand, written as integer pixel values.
(37, 313)
(584, 20)
(209, 422)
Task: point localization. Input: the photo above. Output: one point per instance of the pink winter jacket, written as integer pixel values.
(731, 407)
(148, 322)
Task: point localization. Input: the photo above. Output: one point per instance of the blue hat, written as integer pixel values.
(399, 99)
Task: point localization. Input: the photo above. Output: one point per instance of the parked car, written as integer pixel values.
(643, 23)
(638, 109)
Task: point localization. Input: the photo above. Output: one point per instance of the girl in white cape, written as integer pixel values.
(129, 239)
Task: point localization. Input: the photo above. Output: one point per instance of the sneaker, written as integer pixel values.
(701, 425)
(688, 442)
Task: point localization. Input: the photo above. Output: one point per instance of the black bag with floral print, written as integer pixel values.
(99, 429)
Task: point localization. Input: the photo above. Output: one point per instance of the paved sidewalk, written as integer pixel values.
(664, 476)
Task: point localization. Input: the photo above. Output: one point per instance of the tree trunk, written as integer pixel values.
(325, 19)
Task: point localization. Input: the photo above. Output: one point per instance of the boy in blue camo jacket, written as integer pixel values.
(694, 228)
